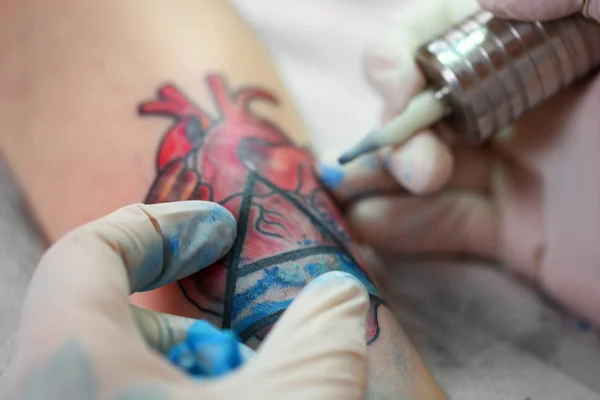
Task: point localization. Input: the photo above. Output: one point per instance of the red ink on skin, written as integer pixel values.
(289, 230)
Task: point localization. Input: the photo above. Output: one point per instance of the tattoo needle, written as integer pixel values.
(488, 72)
(424, 109)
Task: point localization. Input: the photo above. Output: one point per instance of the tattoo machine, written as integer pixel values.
(486, 72)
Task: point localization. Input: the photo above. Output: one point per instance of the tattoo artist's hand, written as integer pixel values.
(80, 338)
(530, 198)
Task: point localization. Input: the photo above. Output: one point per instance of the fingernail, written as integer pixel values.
(196, 234)
(331, 175)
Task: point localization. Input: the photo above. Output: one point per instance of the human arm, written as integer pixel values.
(154, 107)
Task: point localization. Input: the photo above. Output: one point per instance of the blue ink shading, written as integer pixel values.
(331, 175)
(273, 277)
(584, 326)
(207, 352)
(261, 311)
(247, 307)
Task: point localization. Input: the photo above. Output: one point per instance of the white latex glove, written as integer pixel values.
(80, 338)
(529, 199)
(543, 10)
(424, 163)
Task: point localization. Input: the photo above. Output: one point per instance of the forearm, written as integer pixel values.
(119, 102)
(73, 74)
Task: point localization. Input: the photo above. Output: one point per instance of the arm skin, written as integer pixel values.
(106, 103)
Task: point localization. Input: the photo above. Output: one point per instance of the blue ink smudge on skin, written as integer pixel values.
(207, 352)
(316, 269)
(331, 175)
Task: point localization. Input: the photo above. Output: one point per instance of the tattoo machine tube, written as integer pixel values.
(486, 72)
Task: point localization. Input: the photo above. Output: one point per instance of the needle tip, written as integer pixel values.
(366, 145)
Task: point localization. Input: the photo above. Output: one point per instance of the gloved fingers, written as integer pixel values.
(365, 177)
(426, 164)
(81, 287)
(163, 331)
(449, 223)
(318, 348)
(591, 9)
(388, 61)
(148, 245)
(422, 166)
(541, 9)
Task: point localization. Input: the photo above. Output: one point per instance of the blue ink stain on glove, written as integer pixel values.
(331, 175)
(207, 352)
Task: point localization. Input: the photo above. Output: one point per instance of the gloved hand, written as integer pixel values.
(80, 338)
(530, 199)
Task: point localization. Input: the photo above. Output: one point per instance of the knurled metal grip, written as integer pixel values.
(490, 71)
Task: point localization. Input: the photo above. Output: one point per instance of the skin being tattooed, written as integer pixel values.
(289, 230)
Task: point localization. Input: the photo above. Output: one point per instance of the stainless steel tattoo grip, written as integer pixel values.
(486, 72)
(490, 71)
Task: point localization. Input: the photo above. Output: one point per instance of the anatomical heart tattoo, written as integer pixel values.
(289, 230)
